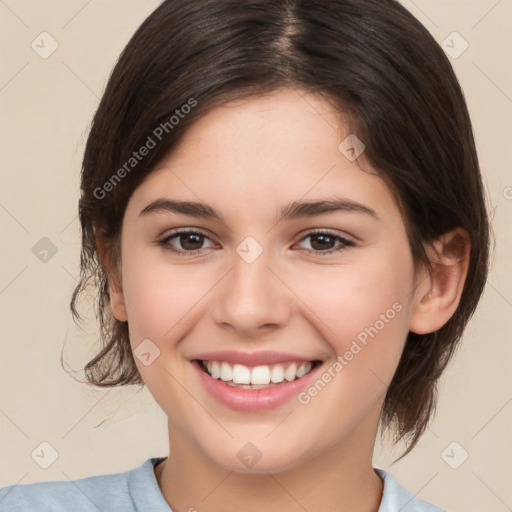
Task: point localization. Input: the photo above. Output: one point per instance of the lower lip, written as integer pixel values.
(252, 399)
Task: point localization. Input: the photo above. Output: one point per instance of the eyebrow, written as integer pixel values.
(294, 210)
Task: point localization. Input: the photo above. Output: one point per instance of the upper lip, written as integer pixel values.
(252, 358)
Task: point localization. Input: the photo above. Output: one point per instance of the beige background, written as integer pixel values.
(46, 107)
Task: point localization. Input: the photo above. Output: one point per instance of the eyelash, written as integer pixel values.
(345, 243)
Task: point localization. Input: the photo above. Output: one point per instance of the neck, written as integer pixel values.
(342, 480)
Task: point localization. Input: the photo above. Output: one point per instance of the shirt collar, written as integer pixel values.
(147, 495)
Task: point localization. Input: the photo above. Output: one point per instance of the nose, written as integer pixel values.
(252, 298)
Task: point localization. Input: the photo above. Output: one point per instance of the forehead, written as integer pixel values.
(266, 152)
(280, 120)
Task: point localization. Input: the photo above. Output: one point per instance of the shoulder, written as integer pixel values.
(396, 498)
(113, 492)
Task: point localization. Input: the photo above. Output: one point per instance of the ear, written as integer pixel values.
(437, 294)
(109, 261)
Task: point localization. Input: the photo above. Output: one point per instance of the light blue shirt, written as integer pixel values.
(137, 490)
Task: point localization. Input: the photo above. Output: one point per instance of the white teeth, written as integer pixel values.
(214, 369)
(277, 374)
(290, 372)
(239, 374)
(303, 369)
(260, 375)
(226, 373)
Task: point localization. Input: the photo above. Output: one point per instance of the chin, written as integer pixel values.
(250, 460)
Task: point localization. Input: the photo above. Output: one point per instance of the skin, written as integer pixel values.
(249, 159)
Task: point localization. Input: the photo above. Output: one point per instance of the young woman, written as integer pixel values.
(282, 212)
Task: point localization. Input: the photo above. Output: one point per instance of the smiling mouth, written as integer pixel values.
(257, 377)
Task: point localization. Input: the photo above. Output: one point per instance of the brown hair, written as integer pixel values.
(372, 60)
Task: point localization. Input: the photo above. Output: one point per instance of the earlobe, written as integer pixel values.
(438, 294)
(117, 304)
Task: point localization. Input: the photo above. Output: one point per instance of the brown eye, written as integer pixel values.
(323, 242)
(188, 242)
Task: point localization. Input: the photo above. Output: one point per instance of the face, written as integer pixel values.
(226, 318)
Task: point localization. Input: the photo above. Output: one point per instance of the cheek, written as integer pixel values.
(363, 310)
(157, 296)
(164, 301)
(354, 295)
(160, 301)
